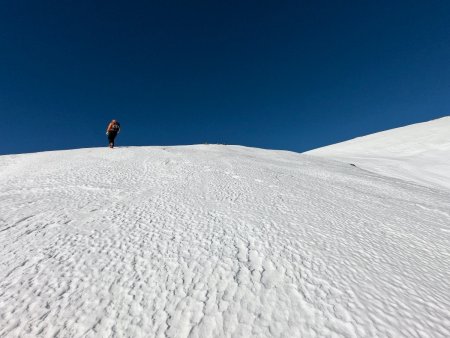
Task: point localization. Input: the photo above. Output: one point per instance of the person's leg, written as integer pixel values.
(112, 136)
(111, 139)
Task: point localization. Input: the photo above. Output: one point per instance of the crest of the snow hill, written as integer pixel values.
(419, 152)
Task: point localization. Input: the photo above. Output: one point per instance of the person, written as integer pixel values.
(112, 131)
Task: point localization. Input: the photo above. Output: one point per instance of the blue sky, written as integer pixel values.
(292, 75)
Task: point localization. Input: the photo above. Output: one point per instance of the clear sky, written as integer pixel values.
(292, 75)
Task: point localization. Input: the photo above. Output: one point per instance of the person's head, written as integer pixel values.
(113, 121)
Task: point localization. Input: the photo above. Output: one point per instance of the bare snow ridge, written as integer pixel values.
(418, 153)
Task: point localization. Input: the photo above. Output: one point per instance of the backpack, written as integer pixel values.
(115, 127)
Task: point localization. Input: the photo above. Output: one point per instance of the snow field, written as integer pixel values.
(217, 241)
(417, 153)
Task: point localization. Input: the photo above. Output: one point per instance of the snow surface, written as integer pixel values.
(218, 241)
(419, 153)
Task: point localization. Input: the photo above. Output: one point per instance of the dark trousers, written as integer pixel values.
(111, 137)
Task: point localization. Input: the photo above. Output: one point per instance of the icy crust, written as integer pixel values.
(217, 241)
(418, 153)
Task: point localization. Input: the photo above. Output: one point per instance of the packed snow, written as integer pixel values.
(418, 153)
(218, 241)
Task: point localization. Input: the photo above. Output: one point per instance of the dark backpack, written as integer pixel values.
(115, 127)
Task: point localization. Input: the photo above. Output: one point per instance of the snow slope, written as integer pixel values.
(419, 153)
(218, 241)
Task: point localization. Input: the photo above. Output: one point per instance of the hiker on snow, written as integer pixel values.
(112, 131)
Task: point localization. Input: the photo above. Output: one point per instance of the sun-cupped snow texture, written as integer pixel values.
(418, 153)
(217, 241)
